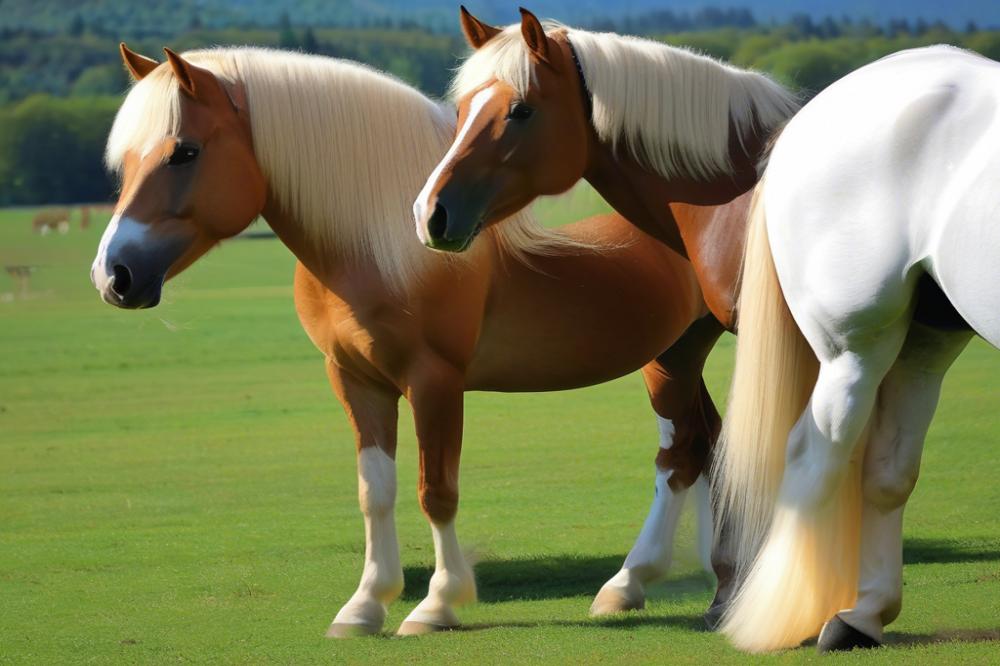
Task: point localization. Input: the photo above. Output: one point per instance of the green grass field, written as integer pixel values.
(178, 484)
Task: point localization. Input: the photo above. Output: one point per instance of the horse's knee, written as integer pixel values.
(887, 486)
(439, 503)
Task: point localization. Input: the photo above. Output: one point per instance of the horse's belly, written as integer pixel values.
(582, 320)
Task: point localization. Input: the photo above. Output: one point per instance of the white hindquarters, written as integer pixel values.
(881, 178)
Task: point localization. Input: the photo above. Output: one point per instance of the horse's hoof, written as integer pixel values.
(713, 616)
(415, 628)
(611, 600)
(838, 636)
(344, 630)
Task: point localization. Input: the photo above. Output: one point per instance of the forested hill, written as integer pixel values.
(60, 86)
(173, 16)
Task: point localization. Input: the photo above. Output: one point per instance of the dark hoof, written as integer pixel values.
(713, 616)
(838, 636)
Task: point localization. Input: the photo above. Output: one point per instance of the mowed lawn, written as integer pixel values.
(178, 484)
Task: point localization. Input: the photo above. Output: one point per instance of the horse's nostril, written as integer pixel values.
(122, 281)
(438, 224)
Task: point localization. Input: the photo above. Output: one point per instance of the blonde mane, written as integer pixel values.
(345, 150)
(671, 107)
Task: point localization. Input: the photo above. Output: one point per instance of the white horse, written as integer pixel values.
(874, 248)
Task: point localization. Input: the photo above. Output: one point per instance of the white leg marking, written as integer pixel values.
(382, 578)
(649, 559)
(667, 431)
(452, 584)
(706, 525)
(421, 207)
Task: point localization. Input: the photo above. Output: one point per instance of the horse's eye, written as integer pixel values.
(520, 111)
(184, 153)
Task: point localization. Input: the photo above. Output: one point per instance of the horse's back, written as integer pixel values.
(888, 174)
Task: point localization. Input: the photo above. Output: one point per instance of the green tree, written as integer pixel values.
(100, 80)
(986, 43)
(286, 36)
(76, 26)
(51, 150)
(309, 43)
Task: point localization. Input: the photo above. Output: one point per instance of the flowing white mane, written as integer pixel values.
(345, 150)
(671, 107)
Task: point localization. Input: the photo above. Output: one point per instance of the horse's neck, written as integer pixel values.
(638, 195)
(715, 237)
(708, 225)
(291, 232)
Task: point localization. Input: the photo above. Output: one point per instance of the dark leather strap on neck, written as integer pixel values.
(588, 98)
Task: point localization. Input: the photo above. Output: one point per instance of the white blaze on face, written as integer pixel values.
(421, 207)
(121, 231)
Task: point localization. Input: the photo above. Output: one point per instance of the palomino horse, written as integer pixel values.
(873, 248)
(331, 154)
(653, 128)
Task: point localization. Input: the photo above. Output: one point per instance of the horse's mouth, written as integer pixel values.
(456, 245)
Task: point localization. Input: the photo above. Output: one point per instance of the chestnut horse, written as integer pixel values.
(817, 458)
(331, 154)
(671, 139)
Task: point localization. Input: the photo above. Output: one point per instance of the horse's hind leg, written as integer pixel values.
(436, 394)
(373, 413)
(906, 402)
(688, 424)
(806, 569)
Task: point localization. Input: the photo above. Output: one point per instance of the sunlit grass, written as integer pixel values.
(179, 484)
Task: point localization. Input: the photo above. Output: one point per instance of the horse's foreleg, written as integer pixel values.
(373, 413)
(906, 402)
(437, 400)
(688, 424)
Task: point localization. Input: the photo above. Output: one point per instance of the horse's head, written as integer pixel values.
(182, 145)
(522, 132)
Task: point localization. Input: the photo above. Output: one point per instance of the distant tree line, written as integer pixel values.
(668, 20)
(59, 90)
(665, 21)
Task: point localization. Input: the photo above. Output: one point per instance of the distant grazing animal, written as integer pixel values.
(51, 219)
(331, 154)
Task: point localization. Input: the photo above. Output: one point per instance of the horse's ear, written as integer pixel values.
(138, 65)
(476, 32)
(194, 80)
(534, 35)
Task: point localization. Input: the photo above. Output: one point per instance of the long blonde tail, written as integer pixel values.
(796, 566)
(774, 375)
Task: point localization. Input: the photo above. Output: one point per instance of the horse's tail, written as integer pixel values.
(775, 372)
(795, 567)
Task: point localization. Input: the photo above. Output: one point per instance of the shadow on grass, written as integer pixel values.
(553, 577)
(944, 636)
(624, 621)
(927, 551)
